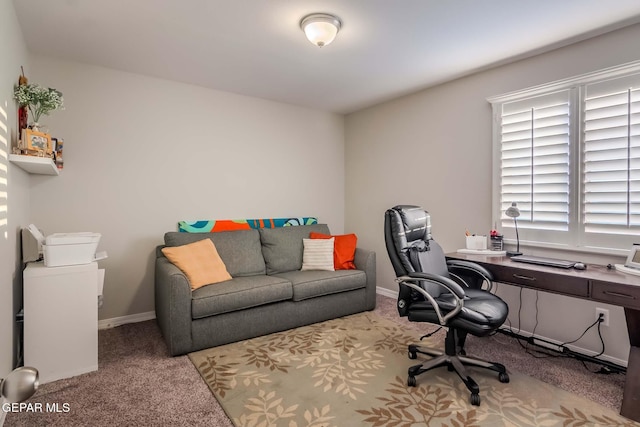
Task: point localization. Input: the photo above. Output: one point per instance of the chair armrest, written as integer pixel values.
(445, 282)
(455, 289)
(479, 273)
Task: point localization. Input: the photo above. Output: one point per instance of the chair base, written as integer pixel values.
(454, 359)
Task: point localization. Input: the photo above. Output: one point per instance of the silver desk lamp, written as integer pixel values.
(20, 384)
(514, 212)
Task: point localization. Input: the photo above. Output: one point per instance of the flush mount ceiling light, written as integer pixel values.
(320, 28)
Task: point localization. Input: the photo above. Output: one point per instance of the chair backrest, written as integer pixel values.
(411, 248)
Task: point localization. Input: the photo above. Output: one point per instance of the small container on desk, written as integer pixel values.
(477, 243)
(497, 243)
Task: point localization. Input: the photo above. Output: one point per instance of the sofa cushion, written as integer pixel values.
(317, 254)
(316, 283)
(282, 246)
(199, 261)
(344, 250)
(237, 294)
(240, 250)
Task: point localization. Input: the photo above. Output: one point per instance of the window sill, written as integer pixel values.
(608, 255)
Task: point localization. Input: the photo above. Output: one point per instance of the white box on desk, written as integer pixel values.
(62, 249)
(477, 243)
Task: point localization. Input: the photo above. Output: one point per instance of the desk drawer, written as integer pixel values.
(564, 284)
(615, 293)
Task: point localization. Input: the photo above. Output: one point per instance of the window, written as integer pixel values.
(569, 154)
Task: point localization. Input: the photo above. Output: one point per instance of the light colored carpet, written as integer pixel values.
(139, 384)
(352, 372)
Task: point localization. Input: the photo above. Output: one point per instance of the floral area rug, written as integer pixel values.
(352, 371)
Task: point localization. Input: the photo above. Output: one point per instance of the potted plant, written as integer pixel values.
(39, 100)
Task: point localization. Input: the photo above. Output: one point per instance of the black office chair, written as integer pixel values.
(447, 293)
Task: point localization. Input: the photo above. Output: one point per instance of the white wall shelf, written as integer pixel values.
(35, 165)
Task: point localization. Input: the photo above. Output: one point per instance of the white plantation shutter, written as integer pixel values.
(611, 163)
(568, 153)
(535, 161)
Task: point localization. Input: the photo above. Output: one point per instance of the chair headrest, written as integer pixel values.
(416, 222)
(406, 227)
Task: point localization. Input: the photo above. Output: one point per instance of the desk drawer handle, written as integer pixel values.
(616, 294)
(520, 276)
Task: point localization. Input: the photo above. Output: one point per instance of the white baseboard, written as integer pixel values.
(386, 292)
(123, 320)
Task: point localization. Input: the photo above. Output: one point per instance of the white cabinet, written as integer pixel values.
(61, 320)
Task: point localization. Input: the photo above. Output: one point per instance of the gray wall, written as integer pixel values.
(142, 154)
(434, 149)
(14, 183)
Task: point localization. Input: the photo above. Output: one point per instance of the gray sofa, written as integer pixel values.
(268, 292)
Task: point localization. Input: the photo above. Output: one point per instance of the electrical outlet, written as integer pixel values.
(605, 315)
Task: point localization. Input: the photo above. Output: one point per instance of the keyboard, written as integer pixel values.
(550, 262)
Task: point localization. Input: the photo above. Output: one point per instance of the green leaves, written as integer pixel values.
(38, 99)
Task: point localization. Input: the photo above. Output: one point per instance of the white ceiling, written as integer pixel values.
(386, 48)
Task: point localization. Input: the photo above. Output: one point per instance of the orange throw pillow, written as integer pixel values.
(199, 261)
(344, 249)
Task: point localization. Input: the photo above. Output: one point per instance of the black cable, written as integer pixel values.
(597, 322)
(567, 342)
(544, 354)
(601, 340)
(526, 347)
(430, 333)
(520, 311)
(519, 315)
(515, 334)
(533, 334)
(541, 354)
(601, 370)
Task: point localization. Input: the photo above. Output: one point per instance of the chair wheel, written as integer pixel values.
(411, 381)
(413, 355)
(503, 377)
(474, 399)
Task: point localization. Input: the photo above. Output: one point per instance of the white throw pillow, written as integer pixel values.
(317, 254)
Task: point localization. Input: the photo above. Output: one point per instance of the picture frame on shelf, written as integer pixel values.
(36, 143)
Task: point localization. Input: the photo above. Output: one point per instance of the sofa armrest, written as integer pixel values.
(173, 306)
(365, 260)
